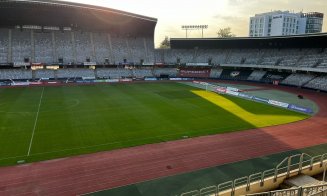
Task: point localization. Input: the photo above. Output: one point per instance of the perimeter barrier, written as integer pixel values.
(238, 93)
(271, 179)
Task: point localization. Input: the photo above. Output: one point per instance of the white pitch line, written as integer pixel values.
(35, 122)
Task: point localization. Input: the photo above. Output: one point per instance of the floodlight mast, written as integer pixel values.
(186, 28)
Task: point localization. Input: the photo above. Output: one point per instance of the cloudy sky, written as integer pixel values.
(171, 14)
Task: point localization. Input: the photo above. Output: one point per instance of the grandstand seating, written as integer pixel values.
(272, 76)
(217, 56)
(75, 73)
(285, 57)
(141, 73)
(77, 46)
(113, 73)
(249, 56)
(298, 79)
(64, 47)
(311, 59)
(44, 73)
(257, 75)
(120, 49)
(235, 74)
(215, 73)
(43, 47)
(168, 56)
(150, 52)
(319, 83)
(15, 74)
(83, 47)
(171, 72)
(101, 48)
(323, 64)
(107, 73)
(185, 56)
(53, 46)
(3, 45)
(138, 49)
(21, 45)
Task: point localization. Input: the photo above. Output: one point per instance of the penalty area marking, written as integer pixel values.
(35, 122)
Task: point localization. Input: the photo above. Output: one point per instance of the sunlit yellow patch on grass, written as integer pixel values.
(258, 120)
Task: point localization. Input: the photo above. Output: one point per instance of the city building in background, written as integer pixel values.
(279, 23)
(314, 22)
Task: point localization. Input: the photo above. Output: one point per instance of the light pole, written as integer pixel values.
(186, 28)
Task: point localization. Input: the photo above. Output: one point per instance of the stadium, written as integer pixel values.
(89, 107)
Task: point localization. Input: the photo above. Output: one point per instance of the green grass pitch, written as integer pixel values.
(40, 123)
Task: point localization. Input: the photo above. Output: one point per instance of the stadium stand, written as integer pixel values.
(83, 47)
(228, 74)
(217, 56)
(49, 46)
(168, 56)
(257, 75)
(115, 73)
(107, 73)
(75, 73)
(15, 74)
(184, 56)
(215, 73)
(43, 47)
(3, 45)
(141, 73)
(150, 52)
(323, 64)
(245, 56)
(171, 72)
(98, 49)
(298, 79)
(138, 49)
(44, 73)
(120, 49)
(101, 48)
(64, 47)
(319, 83)
(272, 76)
(22, 45)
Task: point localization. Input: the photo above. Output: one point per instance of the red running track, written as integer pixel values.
(104, 170)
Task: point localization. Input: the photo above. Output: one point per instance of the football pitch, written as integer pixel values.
(41, 123)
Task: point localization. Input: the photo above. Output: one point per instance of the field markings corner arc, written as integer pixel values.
(35, 122)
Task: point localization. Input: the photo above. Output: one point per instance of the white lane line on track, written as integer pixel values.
(35, 122)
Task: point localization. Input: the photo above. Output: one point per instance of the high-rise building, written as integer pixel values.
(278, 23)
(314, 22)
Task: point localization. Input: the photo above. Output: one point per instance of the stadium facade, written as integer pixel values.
(84, 41)
(280, 23)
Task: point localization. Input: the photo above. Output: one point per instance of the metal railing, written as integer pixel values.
(295, 162)
(324, 177)
(314, 190)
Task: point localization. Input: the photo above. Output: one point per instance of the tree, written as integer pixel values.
(165, 44)
(225, 32)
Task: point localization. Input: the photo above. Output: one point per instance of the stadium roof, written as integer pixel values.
(296, 41)
(75, 15)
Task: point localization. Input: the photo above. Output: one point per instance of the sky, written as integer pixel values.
(172, 14)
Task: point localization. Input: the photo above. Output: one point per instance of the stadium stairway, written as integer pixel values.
(95, 73)
(56, 74)
(300, 181)
(308, 81)
(33, 74)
